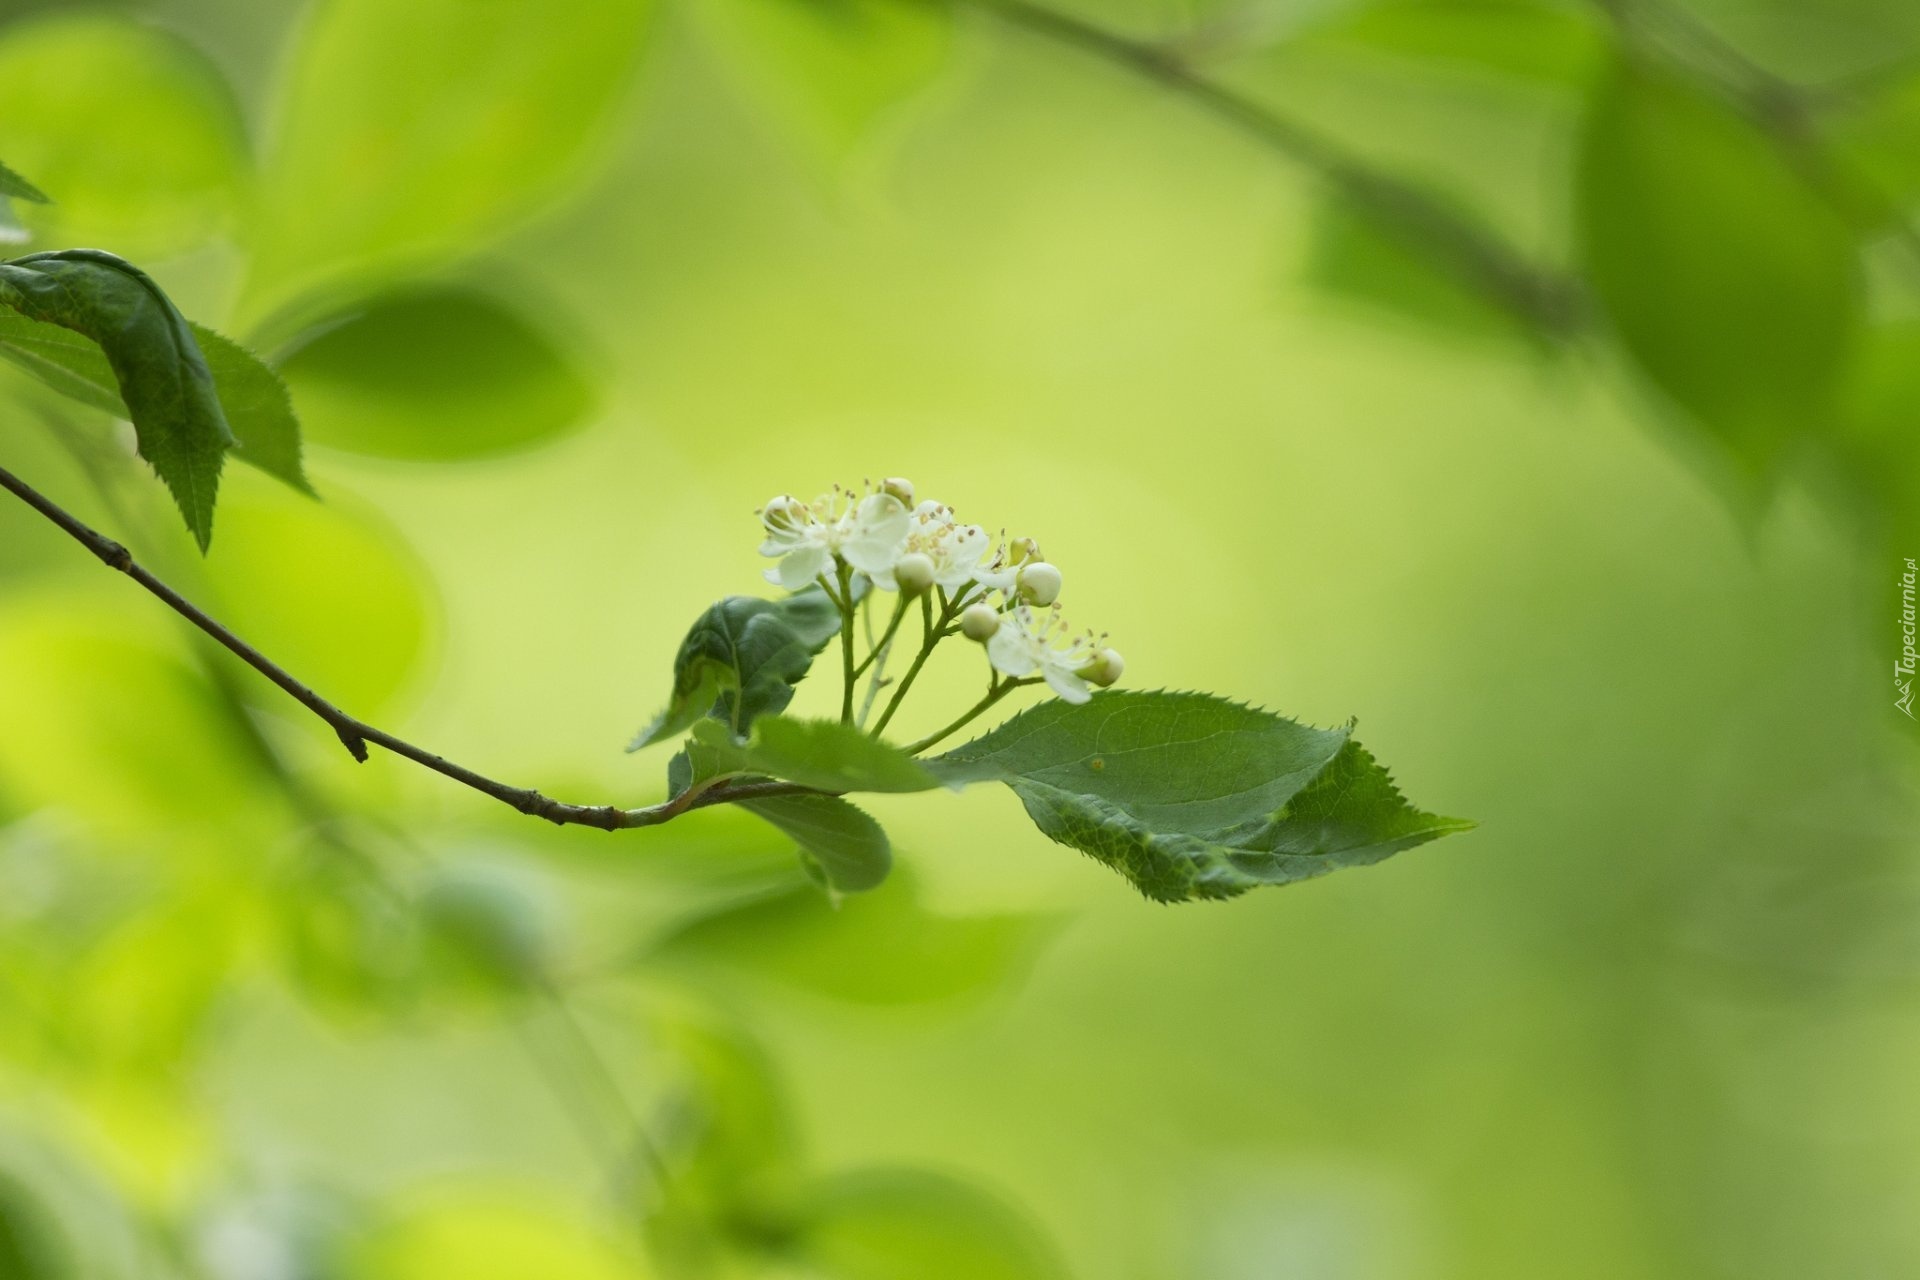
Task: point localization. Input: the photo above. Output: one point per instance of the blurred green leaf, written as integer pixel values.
(12, 184)
(510, 1232)
(728, 1138)
(162, 375)
(346, 945)
(435, 374)
(483, 934)
(893, 1224)
(30, 1243)
(1191, 796)
(824, 754)
(1352, 255)
(1551, 44)
(1882, 405)
(411, 131)
(880, 948)
(1881, 138)
(747, 654)
(1731, 284)
(142, 998)
(252, 396)
(840, 846)
(135, 130)
(830, 69)
(329, 589)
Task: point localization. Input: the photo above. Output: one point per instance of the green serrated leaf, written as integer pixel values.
(824, 754)
(1192, 796)
(161, 373)
(1732, 284)
(745, 654)
(255, 401)
(12, 184)
(845, 847)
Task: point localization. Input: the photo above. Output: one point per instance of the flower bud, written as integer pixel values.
(1105, 669)
(784, 514)
(899, 488)
(980, 622)
(1039, 583)
(1022, 550)
(913, 573)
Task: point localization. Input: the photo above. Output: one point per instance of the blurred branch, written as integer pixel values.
(1538, 295)
(355, 733)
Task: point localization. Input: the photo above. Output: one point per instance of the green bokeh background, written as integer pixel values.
(597, 289)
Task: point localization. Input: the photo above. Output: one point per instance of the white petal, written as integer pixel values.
(1068, 685)
(1011, 651)
(803, 566)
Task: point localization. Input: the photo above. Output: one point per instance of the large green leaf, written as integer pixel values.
(162, 375)
(879, 948)
(840, 846)
(823, 754)
(255, 401)
(747, 654)
(1191, 796)
(134, 129)
(435, 374)
(894, 1223)
(1730, 282)
(412, 131)
(830, 69)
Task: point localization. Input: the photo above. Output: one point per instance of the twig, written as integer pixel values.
(355, 733)
(1536, 294)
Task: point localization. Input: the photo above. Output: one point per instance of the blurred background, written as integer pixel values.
(1534, 381)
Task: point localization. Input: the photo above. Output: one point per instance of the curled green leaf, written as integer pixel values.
(742, 660)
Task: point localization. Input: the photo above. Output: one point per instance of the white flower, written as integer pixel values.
(955, 550)
(1027, 642)
(868, 533)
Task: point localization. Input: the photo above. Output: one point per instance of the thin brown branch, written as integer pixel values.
(1537, 295)
(355, 733)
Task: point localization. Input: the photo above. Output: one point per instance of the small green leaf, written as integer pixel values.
(1191, 796)
(824, 754)
(435, 374)
(12, 184)
(885, 1224)
(747, 654)
(252, 396)
(845, 847)
(162, 375)
(1731, 283)
(879, 948)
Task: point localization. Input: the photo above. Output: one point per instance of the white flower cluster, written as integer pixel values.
(1003, 593)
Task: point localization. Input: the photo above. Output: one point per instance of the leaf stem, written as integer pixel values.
(996, 690)
(932, 636)
(355, 734)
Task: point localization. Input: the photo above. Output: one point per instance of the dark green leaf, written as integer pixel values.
(824, 754)
(1731, 284)
(161, 373)
(252, 396)
(842, 845)
(880, 948)
(748, 654)
(30, 1244)
(1191, 796)
(435, 374)
(890, 1224)
(12, 184)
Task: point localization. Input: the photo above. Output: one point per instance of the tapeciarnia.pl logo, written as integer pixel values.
(1903, 666)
